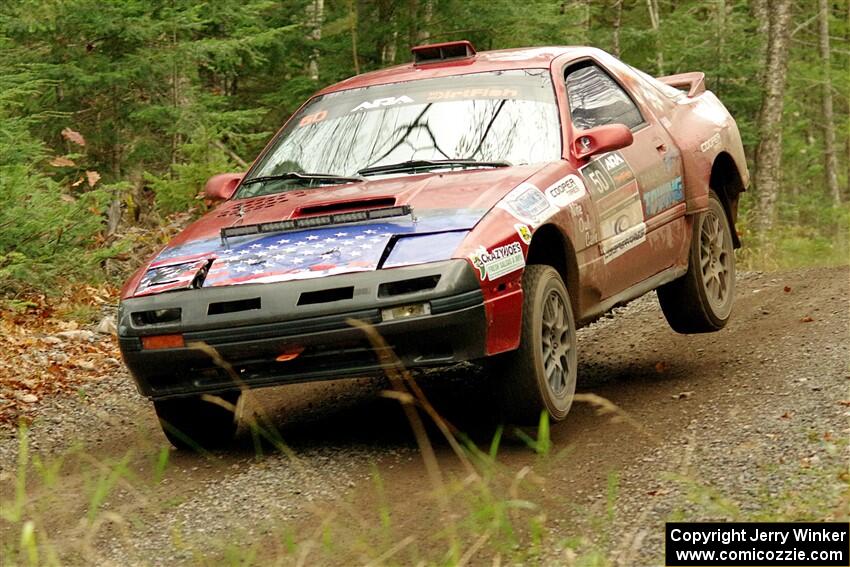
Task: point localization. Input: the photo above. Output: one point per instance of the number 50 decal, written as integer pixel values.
(600, 180)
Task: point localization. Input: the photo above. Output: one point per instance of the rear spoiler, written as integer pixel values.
(693, 83)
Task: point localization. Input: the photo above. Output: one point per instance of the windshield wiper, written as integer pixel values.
(428, 164)
(303, 176)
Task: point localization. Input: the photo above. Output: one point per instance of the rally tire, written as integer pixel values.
(541, 374)
(196, 423)
(701, 300)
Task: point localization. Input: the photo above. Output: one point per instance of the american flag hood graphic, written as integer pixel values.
(309, 253)
(442, 208)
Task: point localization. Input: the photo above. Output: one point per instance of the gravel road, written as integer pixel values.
(743, 417)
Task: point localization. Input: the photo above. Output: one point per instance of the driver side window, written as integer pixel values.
(596, 99)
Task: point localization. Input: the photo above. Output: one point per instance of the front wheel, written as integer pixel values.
(541, 374)
(198, 422)
(701, 300)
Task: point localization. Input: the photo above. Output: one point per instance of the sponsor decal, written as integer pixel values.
(499, 261)
(533, 207)
(565, 191)
(528, 205)
(621, 216)
(524, 233)
(614, 190)
(617, 168)
(624, 241)
(583, 223)
(671, 159)
(710, 143)
(663, 197)
(600, 182)
(313, 118)
(471, 94)
(379, 102)
(607, 173)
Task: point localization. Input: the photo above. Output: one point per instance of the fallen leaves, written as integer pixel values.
(27, 398)
(807, 319)
(42, 354)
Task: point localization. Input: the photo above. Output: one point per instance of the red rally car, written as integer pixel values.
(469, 206)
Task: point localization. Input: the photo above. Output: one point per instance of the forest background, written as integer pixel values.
(114, 113)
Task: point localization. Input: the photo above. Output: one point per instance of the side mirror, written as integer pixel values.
(601, 139)
(222, 186)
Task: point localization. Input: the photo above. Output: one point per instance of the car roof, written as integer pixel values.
(483, 61)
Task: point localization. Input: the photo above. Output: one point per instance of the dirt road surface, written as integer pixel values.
(747, 423)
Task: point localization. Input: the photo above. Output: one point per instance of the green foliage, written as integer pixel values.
(543, 444)
(45, 230)
(167, 93)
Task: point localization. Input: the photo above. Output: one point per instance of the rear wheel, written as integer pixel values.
(701, 300)
(198, 422)
(541, 374)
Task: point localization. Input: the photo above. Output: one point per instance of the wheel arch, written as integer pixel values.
(551, 247)
(726, 182)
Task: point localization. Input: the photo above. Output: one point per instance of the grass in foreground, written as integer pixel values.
(480, 511)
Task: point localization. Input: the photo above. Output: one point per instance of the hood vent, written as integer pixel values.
(345, 206)
(316, 221)
(436, 52)
(256, 204)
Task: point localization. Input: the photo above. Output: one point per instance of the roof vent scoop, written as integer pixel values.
(435, 52)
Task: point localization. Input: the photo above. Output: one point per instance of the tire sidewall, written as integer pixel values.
(717, 317)
(558, 407)
(193, 422)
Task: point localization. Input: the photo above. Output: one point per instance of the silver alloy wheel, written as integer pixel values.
(715, 261)
(556, 344)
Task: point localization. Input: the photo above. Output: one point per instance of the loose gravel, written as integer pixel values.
(756, 410)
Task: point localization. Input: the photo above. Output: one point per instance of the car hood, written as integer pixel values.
(445, 206)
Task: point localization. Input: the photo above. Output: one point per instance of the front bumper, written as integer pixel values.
(251, 325)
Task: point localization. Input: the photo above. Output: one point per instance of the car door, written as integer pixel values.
(627, 186)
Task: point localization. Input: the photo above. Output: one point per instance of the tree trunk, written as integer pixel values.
(618, 22)
(175, 97)
(388, 40)
(425, 28)
(760, 15)
(315, 16)
(769, 151)
(655, 22)
(412, 22)
(830, 161)
(847, 100)
(721, 47)
(390, 51)
(352, 14)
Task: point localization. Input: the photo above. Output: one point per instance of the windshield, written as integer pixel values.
(504, 116)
